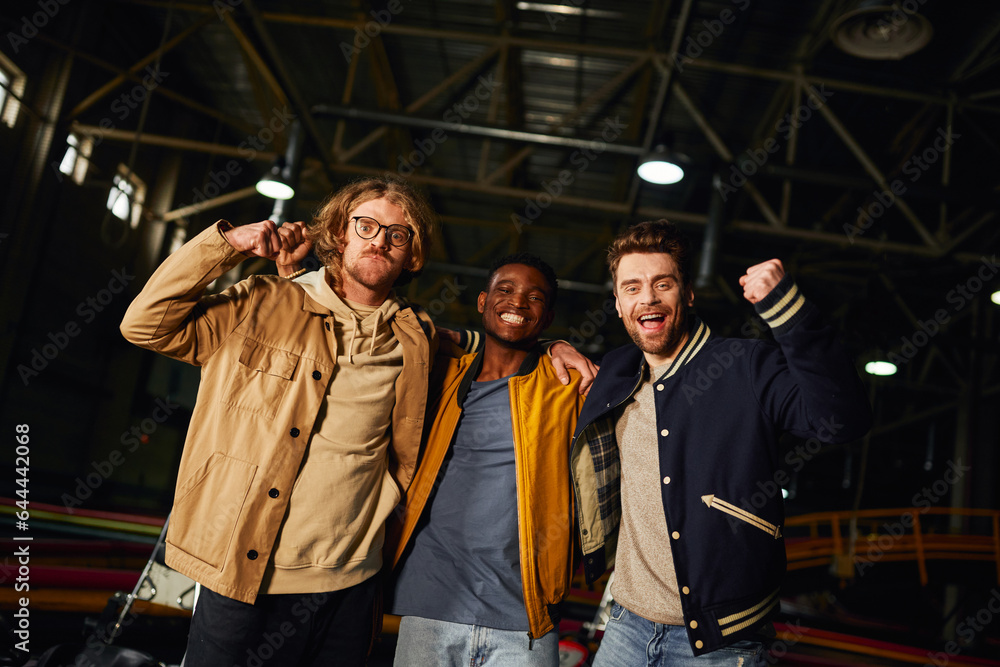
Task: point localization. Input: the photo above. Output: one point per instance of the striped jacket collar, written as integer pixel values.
(698, 335)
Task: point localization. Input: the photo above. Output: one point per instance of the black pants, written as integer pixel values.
(298, 630)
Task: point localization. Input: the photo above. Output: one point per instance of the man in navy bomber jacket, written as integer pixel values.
(677, 438)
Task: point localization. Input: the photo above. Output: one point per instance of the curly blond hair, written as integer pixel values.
(328, 228)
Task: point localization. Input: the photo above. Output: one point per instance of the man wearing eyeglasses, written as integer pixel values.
(307, 426)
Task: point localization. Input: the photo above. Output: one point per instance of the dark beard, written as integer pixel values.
(673, 338)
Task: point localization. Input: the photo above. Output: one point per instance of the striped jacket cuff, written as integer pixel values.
(783, 307)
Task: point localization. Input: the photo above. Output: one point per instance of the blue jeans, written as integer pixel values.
(632, 641)
(424, 642)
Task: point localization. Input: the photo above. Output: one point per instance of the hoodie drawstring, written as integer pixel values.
(378, 318)
(354, 335)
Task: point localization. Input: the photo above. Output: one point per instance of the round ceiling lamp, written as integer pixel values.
(877, 30)
(660, 167)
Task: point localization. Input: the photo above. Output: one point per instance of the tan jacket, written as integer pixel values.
(543, 415)
(267, 358)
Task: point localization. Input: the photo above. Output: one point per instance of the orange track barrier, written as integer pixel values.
(854, 541)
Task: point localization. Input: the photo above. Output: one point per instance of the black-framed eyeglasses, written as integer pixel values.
(369, 228)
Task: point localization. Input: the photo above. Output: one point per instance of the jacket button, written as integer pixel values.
(294, 432)
(327, 325)
(252, 555)
(273, 493)
(317, 375)
(666, 480)
(694, 624)
(685, 590)
(675, 535)
(659, 387)
(699, 644)
(664, 433)
(584, 531)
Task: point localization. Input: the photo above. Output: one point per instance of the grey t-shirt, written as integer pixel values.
(465, 563)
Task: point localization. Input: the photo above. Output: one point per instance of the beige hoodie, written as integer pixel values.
(332, 535)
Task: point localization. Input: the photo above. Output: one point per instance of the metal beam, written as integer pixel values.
(91, 99)
(470, 130)
(251, 52)
(590, 49)
(221, 200)
(160, 89)
(720, 147)
(598, 95)
(170, 142)
(520, 194)
(458, 75)
(298, 100)
(869, 165)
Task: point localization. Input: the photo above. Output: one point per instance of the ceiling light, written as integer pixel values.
(880, 368)
(275, 184)
(995, 297)
(660, 167)
(880, 30)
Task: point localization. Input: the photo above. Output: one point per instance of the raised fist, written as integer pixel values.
(761, 278)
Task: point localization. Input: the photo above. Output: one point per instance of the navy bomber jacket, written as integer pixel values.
(720, 408)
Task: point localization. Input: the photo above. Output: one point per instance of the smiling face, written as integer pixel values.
(371, 266)
(516, 306)
(652, 301)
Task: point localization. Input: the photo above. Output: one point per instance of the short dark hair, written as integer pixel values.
(535, 262)
(652, 236)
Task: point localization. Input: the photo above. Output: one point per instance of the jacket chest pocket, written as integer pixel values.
(260, 379)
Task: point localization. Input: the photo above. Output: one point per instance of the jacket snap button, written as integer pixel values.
(699, 644)
(659, 387)
(317, 375)
(252, 555)
(666, 480)
(685, 590)
(294, 432)
(664, 433)
(273, 493)
(584, 531)
(327, 325)
(675, 535)
(694, 624)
